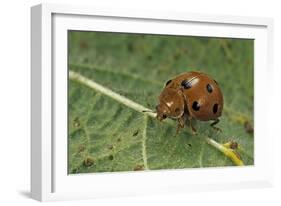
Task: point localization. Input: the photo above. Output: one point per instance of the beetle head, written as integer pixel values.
(162, 111)
(171, 104)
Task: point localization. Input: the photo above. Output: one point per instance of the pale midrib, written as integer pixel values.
(119, 73)
(144, 137)
(123, 100)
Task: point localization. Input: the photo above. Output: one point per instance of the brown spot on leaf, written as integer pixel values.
(233, 145)
(88, 162)
(139, 167)
(110, 147)
(76, 122)
(81, 148)
(119, 139)
(248, 127)
(84, 45)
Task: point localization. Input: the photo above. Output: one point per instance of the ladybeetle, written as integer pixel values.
(191, 95)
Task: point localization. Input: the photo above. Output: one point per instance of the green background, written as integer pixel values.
(106, 136)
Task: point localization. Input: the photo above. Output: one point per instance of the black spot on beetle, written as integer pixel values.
(186, 84)
(168, 82)
(195, 106)
(209, 88)
(215, 108)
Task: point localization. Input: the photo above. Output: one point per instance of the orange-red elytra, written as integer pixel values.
(191, 95)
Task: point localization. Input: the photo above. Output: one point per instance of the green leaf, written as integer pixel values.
(105, 135)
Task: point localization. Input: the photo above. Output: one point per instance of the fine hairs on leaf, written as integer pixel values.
(74, 76)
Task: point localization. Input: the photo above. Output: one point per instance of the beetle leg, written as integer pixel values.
(214, 127)
(191, 126)
(180, 124)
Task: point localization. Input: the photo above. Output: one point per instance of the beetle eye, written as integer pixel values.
(164, 116)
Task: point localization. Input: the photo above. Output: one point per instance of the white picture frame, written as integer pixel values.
(49, 179)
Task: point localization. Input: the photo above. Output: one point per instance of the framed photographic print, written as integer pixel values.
(137, 102)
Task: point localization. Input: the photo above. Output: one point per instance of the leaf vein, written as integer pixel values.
(144, 137)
